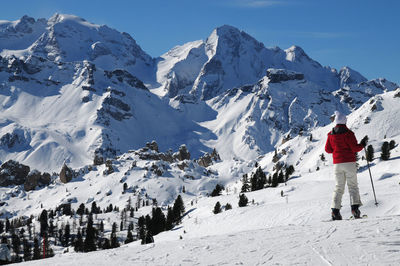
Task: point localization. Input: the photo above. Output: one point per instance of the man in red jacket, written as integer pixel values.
(343, 145)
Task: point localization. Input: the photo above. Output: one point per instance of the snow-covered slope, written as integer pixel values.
(253, 120)
(87, 95)
(56, 112)
(272, 229)
(275, 229)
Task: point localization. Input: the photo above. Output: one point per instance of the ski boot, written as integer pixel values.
(336, 214)
(355, 211)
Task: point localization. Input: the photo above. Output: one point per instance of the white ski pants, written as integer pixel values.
(345, 172)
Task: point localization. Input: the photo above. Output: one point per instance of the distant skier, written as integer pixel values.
(343, 145)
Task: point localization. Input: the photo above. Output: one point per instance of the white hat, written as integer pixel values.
(340, 118)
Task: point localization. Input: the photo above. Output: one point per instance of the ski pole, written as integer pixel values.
(370, 175)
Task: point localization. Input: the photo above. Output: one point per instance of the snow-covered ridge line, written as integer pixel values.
(206, 100)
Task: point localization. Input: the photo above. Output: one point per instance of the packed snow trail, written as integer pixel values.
(373, 241)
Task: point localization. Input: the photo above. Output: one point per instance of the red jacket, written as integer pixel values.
(343, 144)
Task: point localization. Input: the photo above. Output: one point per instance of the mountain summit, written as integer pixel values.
(72, 90)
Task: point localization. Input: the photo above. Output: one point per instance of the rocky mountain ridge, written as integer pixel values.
(91, 93)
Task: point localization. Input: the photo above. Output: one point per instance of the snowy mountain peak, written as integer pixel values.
(296, 53)
(65, 18)
(350, 76)
(233, 40)
(22, 25)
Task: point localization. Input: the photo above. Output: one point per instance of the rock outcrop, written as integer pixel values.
(35, 178)
(182, 154)
(13, 173)
(66, 174)
(209, 158)
(279, 75)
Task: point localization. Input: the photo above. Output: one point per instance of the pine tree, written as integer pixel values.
(370, 153)
(290, 170)
(89, 244)
(43, 223)
(217, 190)
(1, 226)
(27, 249)
(16, 243)
(81, 209)
(170, 219)
(217, 207)
(36, 249)
(78, 245)
(243, 200)
(129, 237)
(281, 177)
(158, 221)
(113, 239)
(142, 228)
(94, 209)
(67, 234)
(274, 182)
(106, 244)
(261, 178)
(246, 185)
(228, 206)
(101, 226)
(8, 225)
(178, 209)
(60, 237)
(385, 154)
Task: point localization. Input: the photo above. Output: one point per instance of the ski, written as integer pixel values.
(362, 217)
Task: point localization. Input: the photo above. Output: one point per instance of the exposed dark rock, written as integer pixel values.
(85, 99)
(66, 174)
(117, 103)
(208, 158)
(88, 88)
(397, 95)
(13, 173)
(10, 140)
(182, 154)
(182, 165)
(167, 157)
(152, 146)
(157, 170)
(115, 114)
(15, 78)
(279, 75)
(110, 168)
(125, 76)
(98, 159)
(35, 178)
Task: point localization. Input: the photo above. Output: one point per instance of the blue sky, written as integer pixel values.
(362, 34)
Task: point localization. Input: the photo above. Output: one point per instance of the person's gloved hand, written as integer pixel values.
(364, 141)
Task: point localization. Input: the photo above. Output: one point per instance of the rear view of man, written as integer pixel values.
(343, 145)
